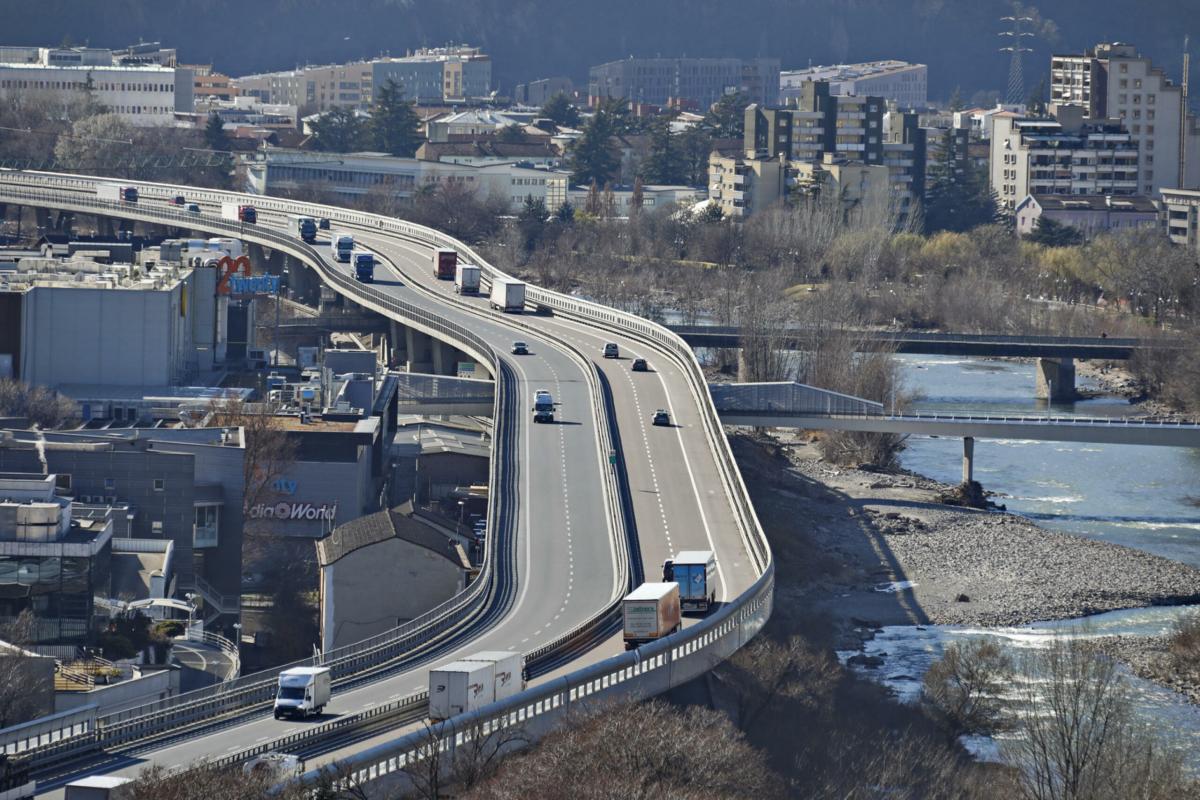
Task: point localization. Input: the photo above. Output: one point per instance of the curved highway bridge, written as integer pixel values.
(578, 508)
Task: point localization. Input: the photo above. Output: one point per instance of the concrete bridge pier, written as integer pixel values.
(398, 343)
(968, 459)
(418, 348)
(1056, 379)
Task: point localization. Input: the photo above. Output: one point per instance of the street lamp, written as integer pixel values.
(462, 507)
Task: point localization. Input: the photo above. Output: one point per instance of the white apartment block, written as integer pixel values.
(1113, 80)
(144, 94)
(907, 85)
(1072, 157)
(353, 175)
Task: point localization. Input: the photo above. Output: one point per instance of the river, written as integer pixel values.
(1142, 497)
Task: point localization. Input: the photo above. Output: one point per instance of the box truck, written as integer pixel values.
(99, 787)
(543, 406)
(117, 194)
(650, 612)
(302, 227)
(303, 691)
(696, 573)
(508, 295)
(466, 279)
(341, 245)
(459, 687)
(364, 266)
(444, 262)
(509, 671)
(239, 212)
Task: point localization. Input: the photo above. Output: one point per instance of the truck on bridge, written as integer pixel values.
(364, 266)
(302, 227)
(117, 194)
(650, 612)
(444, 262)
(341, 245)
(508, 295)
(543, 406)
(466, 279)
(696, 572)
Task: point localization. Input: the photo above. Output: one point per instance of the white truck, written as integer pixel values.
(303, 691)
(508, 295)
(650, 612)
(466, 279)
(543, 406)
(99, 787)
(696, 573)
(509, 671)
(239, 212)
(459, 687)
(302, 227)
(341, 246)
(117, 194)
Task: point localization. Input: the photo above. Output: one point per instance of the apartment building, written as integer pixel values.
(1112, 80)
(1070, 155)
(1180, 216)
(536, 93)
(1089, 214)
(906, 85)
(702, 81)
(435, 75)
(144, 93)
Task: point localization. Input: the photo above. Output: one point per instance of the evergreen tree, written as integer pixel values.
(635, 200)
(338, 131)
(215, 137)
(620, 117)
(560, 109)
(532, 222)
(726, 119)
(956, 101)
(511, 134)
(1036, 102)
(395, 126)
(565, 213)
(696, 147)
(593, 159)
(1052, 233)
(665, 163)
(958, 196)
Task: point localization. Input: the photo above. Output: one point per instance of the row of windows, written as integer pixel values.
(63, 481)
(101, 86)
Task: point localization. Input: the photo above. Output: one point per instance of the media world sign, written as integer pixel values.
(287, 511)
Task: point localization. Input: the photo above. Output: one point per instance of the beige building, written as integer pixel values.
(740, 186)
(382, 570)
(1065, 156)
(1113, 80)
(1180, 216)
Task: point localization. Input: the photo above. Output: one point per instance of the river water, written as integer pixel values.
(1142, 497)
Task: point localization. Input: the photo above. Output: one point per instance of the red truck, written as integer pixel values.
(444, 263)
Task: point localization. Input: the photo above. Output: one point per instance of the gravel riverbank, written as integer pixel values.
(868, 549)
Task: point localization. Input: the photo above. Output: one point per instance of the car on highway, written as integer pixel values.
(612, 351)
(177, 200)
(193, 208)
(520, 349)
(323, 224)
(662, 417)
(640, 365)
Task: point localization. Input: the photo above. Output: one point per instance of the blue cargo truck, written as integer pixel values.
(696, 573)
(364, 266)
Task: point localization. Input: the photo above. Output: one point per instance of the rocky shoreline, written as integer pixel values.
(875, 549)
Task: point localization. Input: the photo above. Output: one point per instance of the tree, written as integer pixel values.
(956, 101)
(636, 197)
(965, 684)
(695, 149)
(561, 110)
(1035, 103)
(565, 213)
(511, 134)
(1051, 233)
(269, 451)
(532, 222)
(339, 130)
(1085, 743)
(726, 118)
(959, 197)
(214, 133)
(394, 125)
(101, 144)
(593, 158)
(664, 164)
(25, 693)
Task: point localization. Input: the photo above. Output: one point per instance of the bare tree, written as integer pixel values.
(965, 684)
(269, 451)
(43, 407)
(24, 691)
(765, 674)
(1078, 739)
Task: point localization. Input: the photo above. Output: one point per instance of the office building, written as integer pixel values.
(356, 174)
(182, 485)
(1180, 216)
(142, 92)
(1112, 80)
(897, 82)
(80, 320)
(1067, 155)
(536, 93)
(702, 81)
(452, 74)
(1088, 214)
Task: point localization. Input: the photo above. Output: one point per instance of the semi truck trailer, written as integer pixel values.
(508, 295)
(117, 194)
(696, 573)
(239, 212)
(459, 687)
(444, 262)
(341, 246)
(302, 227)
(650, 612)
(466, 279)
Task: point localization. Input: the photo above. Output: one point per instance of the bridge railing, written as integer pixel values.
(931, 337)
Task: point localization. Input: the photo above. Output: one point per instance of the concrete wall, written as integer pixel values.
(156, 685)
(347, 484)
(380, 586)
